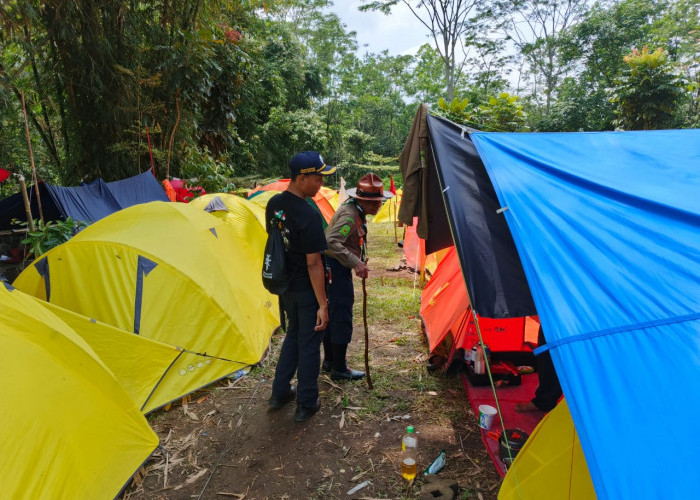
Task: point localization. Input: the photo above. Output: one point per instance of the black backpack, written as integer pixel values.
(275, 272)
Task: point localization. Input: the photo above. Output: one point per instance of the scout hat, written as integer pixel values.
(309, 162)
(370, 187)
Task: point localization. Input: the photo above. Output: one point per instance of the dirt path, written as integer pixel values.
(223, 443)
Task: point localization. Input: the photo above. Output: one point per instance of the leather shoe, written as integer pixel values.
(348, 374)
(276, 402)
(326, 367)
(304, 413)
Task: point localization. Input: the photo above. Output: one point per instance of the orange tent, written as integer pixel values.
(445, 309)
(321, 199)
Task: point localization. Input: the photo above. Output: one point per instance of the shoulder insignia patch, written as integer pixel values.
(345, 230)
(351, 220)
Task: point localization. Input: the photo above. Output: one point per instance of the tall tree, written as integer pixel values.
(648, 91)
(534, 27)
(447, 22)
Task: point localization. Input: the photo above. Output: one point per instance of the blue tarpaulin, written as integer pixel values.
(607, 226)
(88, 202)
(92, 202)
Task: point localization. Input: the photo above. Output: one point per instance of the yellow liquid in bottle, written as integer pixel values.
(408, 469)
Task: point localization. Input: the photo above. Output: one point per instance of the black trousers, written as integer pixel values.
(301, 349)
(341, 297)
(548, 391)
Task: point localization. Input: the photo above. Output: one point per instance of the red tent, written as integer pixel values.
(449, 322)
(184, 191)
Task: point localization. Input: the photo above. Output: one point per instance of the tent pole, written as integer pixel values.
(31, 159)
(25, 198)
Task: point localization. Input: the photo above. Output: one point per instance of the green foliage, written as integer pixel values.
(648, 91)
(578, 108)
(357, 142)
(214, 175)
(286, 133)
(247, 84)
(598, 44)
(502, 113)
(50, 235)
(427, 82)
(457, 110)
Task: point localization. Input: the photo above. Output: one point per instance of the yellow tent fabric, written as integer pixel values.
(240, 208)
(551, 465)
(261, 199)
(168, 272)
(390, 209)
(68, 428)
(152, 373)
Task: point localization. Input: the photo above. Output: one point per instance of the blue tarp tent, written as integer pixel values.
(607, 226)
(606, 229)
(87, 202)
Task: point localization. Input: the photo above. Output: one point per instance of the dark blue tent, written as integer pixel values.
(88, 202)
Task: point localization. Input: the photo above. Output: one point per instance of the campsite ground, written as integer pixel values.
(221, 442)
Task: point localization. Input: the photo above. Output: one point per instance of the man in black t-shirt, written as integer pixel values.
(305, 301)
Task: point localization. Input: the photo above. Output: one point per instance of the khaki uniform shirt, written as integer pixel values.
(345, 235)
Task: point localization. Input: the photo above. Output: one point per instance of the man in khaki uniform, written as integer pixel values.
(347, 241)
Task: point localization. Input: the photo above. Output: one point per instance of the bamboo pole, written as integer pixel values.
(25, 198)
(172, 134)
(31, 160)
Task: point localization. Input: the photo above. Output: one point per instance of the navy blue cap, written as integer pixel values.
(309, 162)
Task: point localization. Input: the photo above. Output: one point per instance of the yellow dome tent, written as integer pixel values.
(151, 372)
(551, 464)
(240, 209)
(168, 272)
(68, 428)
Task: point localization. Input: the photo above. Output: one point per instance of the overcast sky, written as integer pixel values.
(399, 32)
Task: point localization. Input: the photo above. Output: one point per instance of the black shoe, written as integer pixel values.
(276, 402)
(304, 413)
(348, 374)
(326, 367)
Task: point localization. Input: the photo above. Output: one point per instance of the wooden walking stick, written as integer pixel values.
(364, 319)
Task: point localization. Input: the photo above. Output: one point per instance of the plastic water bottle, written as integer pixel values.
(409, 446)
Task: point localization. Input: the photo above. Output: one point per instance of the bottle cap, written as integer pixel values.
(410, 429)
